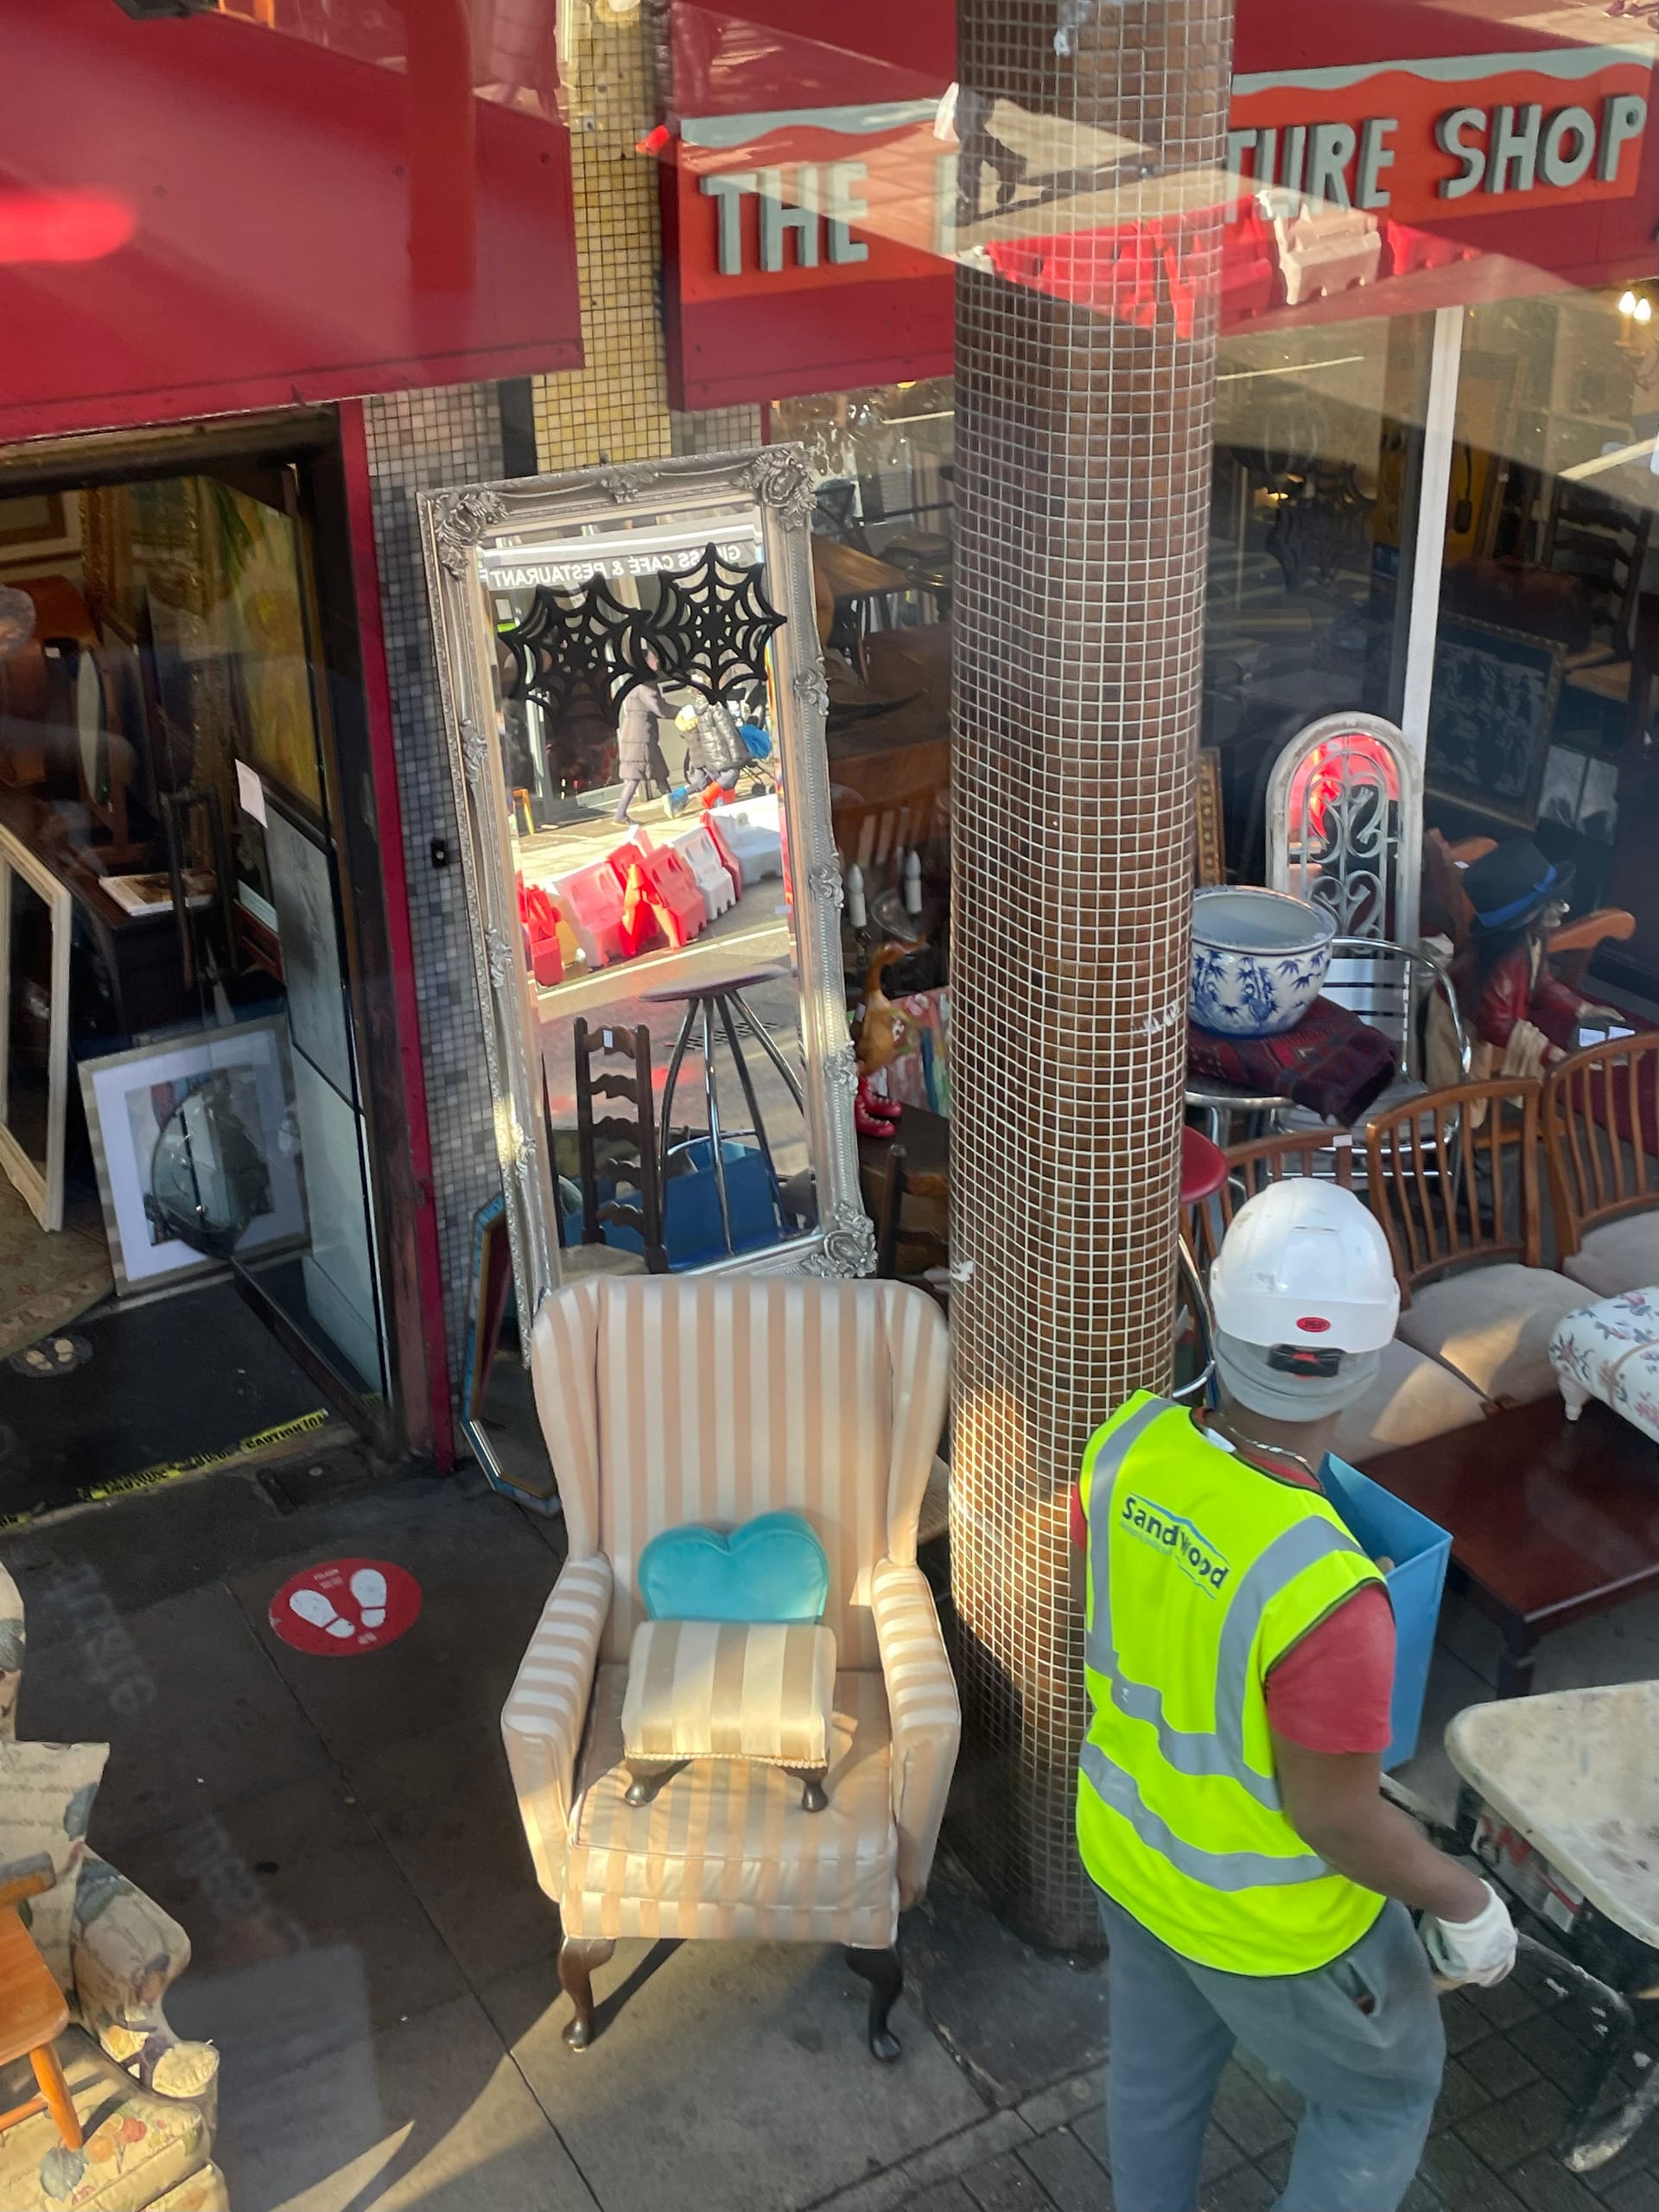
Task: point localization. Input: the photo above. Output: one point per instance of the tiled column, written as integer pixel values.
(420, 442)
(616, 407)
(1083, 471)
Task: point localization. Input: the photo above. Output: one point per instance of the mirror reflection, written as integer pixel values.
(650, 839)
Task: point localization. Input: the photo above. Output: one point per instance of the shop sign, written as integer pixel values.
(843, 214)
(1480, 132)
(812, 197)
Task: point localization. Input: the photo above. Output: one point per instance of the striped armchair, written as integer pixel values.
(666, 1401)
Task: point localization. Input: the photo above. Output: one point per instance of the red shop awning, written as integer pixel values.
(200, 214)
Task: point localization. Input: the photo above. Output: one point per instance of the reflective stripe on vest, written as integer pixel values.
(1220, 1751)
(1217, 1870)
(1187, 1864)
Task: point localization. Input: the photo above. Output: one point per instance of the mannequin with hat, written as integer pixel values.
(1521, 1016)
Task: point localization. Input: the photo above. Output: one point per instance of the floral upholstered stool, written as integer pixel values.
(1609, 1350)
(137, 2147)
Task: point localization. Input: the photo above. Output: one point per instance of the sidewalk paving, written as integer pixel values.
(377, 1967)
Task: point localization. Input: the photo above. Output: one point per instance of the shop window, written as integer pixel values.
(1541, 721)
(1318, 445)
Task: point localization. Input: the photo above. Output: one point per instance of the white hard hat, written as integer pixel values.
(1305, 1299)
(1305, 1262)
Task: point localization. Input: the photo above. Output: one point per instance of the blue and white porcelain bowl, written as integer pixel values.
(1259, 959)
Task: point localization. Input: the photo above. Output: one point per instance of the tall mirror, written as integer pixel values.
(635, 697)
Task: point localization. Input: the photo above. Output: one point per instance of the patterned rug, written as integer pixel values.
(46, 1281)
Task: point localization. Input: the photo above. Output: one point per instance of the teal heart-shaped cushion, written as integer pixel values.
(772, 1568)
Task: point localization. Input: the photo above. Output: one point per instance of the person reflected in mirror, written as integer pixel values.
(638, 747)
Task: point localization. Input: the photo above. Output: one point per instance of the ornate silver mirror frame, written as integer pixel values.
(464, 532)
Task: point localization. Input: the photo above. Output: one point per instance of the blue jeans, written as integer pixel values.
(1360, 2038)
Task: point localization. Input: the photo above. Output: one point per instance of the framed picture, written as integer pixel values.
(1210, 849)
(1490, 718)
(153, 894)
(37, 914)
(303, 892)
(38, 525)
(131, 1099)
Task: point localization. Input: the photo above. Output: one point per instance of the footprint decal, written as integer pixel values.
(311, 1605)
(341, 1608)
(369, 1589)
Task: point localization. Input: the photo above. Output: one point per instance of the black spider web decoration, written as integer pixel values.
(571, 650)
(709, 630)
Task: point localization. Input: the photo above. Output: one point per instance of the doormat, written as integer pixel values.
(175, 1387)
(47, 1280)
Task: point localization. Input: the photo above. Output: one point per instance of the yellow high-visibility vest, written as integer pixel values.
(1203, 1570)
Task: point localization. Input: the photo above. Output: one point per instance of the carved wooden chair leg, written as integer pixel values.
(649, 1776)
(813, 1796)
(578, 1956)
(886, 1976)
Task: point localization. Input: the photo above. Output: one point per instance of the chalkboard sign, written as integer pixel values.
(1490, 718)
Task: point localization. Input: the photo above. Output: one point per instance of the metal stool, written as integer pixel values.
(723, 999)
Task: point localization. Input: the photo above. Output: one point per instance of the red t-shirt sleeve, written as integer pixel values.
(1331, 1691)
(1079, 1519)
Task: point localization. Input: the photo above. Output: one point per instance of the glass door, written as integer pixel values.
(262, 1160)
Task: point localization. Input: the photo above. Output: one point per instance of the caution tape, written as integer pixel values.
(170, 1470)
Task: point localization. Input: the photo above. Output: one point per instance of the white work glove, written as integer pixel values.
(1481, 1950)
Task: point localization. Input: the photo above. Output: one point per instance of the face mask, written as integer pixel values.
(1255, 1382)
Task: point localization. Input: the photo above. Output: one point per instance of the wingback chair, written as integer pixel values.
(665, 1401)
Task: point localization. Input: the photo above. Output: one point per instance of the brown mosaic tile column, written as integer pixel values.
(1083, 475)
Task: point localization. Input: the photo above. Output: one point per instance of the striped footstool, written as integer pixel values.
(729, 1690)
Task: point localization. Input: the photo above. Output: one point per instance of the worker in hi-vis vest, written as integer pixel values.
(1255, 1885)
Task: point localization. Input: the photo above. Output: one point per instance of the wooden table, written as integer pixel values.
(1551, 1520)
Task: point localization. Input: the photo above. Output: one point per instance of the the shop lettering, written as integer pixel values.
(1505, 148)
(825, 206)
(1451, 143)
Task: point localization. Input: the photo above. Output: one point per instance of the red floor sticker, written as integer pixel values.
(346, 1605)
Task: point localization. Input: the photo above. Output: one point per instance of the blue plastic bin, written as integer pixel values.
(1389, 1529)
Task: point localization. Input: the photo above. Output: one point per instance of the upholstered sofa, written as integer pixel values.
(670, 1401)
(147, 2101)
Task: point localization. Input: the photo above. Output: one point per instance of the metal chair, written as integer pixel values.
(1385, 983)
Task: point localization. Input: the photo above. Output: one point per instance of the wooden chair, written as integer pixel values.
(1460, 1207)
(1412, 1396)
(638, 1163)
(892, 1232)
(34, 2012)
(1326, 1155)
(1601, 1148)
